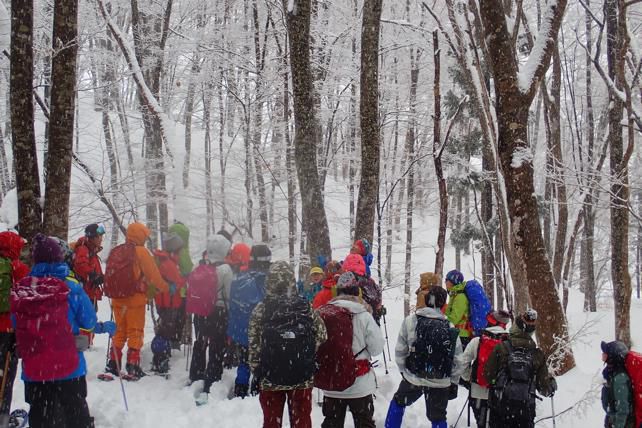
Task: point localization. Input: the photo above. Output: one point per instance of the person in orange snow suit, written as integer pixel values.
(135, 277)
(169, 304)
(332, 271)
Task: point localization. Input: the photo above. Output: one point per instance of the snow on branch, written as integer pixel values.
(537, 62)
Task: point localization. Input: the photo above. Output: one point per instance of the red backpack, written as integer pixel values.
(202, 290)
(337, 365)
(120, 280)
(487, 343)
(633, 364)
(44, 337)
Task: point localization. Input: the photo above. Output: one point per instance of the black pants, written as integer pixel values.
(210, 333)
(69, 395)
(480, 410)
(436, 399)
(9, 367)
(334, 411)
(509, 413)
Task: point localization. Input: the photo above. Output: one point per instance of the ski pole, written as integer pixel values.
(120, 378)
(461, 413)
(385, 327)
(469, 405)
(553, 410)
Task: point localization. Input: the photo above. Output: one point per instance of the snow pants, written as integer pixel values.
(58, 404)
(334, 412)
(129, 315)
(9, 367)
(436, 399)
(480, 410)
(299, 407)
(512, 413)
(210, 335)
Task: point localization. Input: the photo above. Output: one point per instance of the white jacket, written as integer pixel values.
(407, 338)
(365, 334)
(469, 357)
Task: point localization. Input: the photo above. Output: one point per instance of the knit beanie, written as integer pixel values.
(428, 279)
(347, 284)
(46, 250)
(260, 257)
(94, 230)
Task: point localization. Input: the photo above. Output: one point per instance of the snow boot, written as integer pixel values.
(133, 364)
(395, 415)
(439, 424)
(240, 390)
(115, 358)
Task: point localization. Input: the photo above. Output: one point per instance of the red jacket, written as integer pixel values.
(170, 271)
(86, 262)
(325, 295)
(10, 246)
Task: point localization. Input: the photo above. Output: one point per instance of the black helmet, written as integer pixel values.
(616, 351)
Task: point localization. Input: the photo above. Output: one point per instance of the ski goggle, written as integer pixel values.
(100, 230)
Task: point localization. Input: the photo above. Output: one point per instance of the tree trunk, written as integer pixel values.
(437, 150)
(512, 107)
(22, 119)
(488, 268)
(307, 136)
(616, 52)
(207, 154)
(61, 122)
(369, 120)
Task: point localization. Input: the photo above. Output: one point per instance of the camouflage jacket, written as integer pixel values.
(280, 283)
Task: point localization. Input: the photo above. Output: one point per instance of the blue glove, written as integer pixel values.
(108, 327)
(172, 288)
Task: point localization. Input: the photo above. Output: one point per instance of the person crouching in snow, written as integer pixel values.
(617, 400)
(474, 360)
(53, 364)
(434, 374)
(168, 304)
(284, 335)
(367, 341)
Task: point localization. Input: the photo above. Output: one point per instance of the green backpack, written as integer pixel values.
(6, 282)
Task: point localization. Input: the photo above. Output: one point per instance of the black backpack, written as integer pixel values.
(288, 341)
(515, 382)
(432, 354)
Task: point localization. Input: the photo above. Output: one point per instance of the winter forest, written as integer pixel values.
(495, 137)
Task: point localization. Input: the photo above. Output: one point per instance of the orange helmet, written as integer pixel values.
(239, 256)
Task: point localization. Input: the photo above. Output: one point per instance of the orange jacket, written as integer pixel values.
(325, 295)
(86, 262)
(170, 270)
(144, 267)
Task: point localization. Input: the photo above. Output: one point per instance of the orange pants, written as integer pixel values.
(129, 315)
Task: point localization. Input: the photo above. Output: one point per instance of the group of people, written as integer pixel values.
(286, 336)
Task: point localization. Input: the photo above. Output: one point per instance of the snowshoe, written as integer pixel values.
(19, 419)
(112, 368)
(134, 372)
(106, 377)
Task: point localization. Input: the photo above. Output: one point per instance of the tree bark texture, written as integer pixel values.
(307, 133)
(22, 119)
(512, 108)
(436, 153)
(615, 18)
(369, 120)
(61, 122)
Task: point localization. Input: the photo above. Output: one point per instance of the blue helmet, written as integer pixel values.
(455, 277)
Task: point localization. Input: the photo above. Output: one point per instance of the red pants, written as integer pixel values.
(299, 407)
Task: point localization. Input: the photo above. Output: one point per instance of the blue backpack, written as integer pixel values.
(246, 291)
(478, 304)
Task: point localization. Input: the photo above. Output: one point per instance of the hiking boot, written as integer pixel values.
(161, 367)
(176, 344)
(112, 368)
(135, 371)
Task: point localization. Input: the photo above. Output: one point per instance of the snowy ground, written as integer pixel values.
(159, 403)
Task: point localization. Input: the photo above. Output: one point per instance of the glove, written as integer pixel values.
(172, 288)
(551, 388)
(108, 327)
(96, 279)
(383, 311)
(452, 391)
(463, 382)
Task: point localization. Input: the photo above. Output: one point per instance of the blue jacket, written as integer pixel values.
(81, 311)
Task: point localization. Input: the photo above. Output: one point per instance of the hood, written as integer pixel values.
(458, 288)
(354, 304)
(11, 245)
(185, 260)
(430, 313)
(239, 256)
(217, 248)
(138, 233)
(427, 280)
(520, 338)
(354, 263)
(280, 280)
(57, 270)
